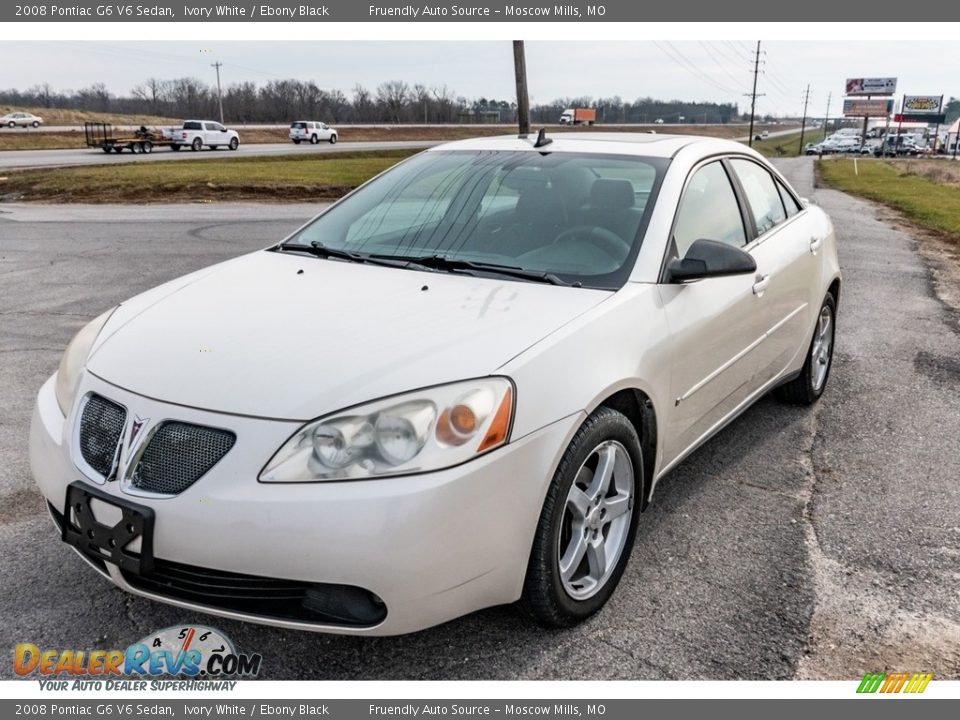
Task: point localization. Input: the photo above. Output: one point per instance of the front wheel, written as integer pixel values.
(333, 139)
(36, 124)
(808, 386)
(587, 524)
(234, 144)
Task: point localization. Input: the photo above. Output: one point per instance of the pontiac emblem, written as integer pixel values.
(136, 426)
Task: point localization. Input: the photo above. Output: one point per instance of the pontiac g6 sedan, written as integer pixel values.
(457, 387)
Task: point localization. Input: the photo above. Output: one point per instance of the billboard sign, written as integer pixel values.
(871, 86)
(856, 107)
(921, 104)
(931, 119)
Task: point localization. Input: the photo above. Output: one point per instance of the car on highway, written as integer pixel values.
(23, 119)
(312, 131)
(456, 387)
(198, 134)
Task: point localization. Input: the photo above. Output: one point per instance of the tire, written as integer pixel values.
(146, 147)
(809, 385)
(296, 141)
(561, 598)
(234, 144)
(35, 124)
(314, 139)
(11, 124)
(196, 145)
(333, 139)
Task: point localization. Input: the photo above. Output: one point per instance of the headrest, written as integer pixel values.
(538, 204)
(611, 194)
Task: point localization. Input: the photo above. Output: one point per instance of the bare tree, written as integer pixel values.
(393, 97)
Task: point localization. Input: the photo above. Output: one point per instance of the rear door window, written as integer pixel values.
(762, 196)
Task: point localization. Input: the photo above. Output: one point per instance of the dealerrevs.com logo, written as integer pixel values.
(201, 657)
(899, 682)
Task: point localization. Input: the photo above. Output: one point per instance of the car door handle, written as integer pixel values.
(760, 284)
(815, 243)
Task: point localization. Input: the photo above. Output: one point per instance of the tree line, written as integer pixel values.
(394, 101)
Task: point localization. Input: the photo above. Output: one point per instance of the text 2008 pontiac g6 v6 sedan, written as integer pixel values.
(455, 388)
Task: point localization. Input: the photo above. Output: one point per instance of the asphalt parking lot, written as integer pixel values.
(799, 543)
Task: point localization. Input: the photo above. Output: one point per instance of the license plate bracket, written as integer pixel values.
(83, 531)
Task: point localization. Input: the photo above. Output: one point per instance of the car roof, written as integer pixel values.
(613, 143)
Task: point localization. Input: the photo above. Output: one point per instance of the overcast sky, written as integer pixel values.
(690, 70)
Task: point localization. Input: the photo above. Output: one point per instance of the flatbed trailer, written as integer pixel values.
(101, 135)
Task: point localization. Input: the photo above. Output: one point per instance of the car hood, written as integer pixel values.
(294, 337)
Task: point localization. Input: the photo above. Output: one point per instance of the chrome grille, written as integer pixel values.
(101, 426)
(177, 455)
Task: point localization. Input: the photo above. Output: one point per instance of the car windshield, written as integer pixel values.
(574, 217)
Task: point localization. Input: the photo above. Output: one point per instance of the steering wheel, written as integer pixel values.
(606, 240)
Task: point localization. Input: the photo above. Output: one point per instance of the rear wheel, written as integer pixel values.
(587, 524)
(196, 145)
(146, 147)
(11, 124)
(807, 387)
(314, 139)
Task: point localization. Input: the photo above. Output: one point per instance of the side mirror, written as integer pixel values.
(710, 258)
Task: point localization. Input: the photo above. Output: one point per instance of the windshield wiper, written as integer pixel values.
(320, 250)
(442, 262)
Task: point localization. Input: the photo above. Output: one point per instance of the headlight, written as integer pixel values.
(73, 360)
(421, 431)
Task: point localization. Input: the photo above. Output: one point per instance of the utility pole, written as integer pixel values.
(218, 65)
(826, 117)
(753, 95)
(803, 123)
(523, 99)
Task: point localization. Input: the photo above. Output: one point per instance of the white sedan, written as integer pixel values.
(457, 387)
(23, 119)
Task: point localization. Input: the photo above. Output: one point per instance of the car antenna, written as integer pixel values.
(542, 138)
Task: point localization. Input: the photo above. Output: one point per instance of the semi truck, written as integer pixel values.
(578, 116)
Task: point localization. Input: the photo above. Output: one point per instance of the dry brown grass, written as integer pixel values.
(59, 116)
(942, 171)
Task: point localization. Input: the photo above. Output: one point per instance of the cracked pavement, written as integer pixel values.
(798, 543)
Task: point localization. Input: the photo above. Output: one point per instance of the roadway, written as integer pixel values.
(33, 159)
(799, 543)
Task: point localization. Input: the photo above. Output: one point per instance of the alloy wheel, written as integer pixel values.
(596, 520)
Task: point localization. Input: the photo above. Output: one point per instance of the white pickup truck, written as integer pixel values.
(197, 134)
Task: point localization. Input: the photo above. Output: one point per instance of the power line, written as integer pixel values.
(717, 63)
(686, 64)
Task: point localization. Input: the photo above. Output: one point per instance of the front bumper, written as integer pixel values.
(433, 547)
